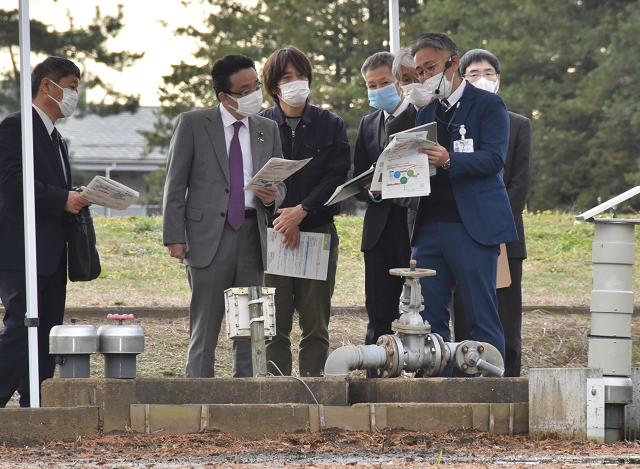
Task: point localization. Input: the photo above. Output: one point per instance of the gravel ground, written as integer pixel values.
(387, 449)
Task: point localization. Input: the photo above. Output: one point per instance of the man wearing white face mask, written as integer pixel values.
(385, 237)
(55, 94)
(461, 224)
(210, 223)
(482, 69)
(306, 131)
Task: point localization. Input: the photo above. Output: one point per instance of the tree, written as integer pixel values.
(85, 46)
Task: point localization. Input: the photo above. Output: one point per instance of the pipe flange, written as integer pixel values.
(435, 359)
(411, 329)
(395, 356)
(466, 356)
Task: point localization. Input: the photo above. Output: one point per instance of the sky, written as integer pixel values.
(143, 32)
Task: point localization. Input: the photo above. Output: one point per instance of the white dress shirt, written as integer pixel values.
(457, 94)
(245, 145)
(49, 126)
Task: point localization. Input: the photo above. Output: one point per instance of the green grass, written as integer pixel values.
(137, 271)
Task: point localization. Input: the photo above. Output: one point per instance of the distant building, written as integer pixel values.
(111, 146)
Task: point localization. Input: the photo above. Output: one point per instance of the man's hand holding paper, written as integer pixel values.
(438, 154)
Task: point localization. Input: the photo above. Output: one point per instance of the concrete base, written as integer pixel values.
(25, 426)
(270, 420)
(456, 396)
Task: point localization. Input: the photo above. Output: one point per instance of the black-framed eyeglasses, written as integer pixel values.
(258, 87)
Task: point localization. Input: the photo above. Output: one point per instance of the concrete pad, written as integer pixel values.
(355, 419)
(26, 426)
(438, 390)
(259, 420)
(168, 419)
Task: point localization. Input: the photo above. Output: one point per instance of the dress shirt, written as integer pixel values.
(457, 94)
(245, 144)
(48, 123)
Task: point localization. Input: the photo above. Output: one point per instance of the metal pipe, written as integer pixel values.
(354, 357)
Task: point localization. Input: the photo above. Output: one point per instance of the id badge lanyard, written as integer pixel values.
(464, 145)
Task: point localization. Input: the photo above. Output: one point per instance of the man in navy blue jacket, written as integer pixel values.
(55, 94)
(461, 224)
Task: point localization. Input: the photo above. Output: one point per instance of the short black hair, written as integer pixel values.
(225, 67)
(53, 68)
(436, 41)
(273, 69)
(475, 56)
(376, 61)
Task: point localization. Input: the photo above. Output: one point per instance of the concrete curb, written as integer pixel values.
(26, 426)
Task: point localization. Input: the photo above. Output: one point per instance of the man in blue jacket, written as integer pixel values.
(461, 224)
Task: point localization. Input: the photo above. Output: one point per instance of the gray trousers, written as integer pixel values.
(237, 263)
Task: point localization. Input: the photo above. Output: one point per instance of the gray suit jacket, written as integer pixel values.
(196, 192)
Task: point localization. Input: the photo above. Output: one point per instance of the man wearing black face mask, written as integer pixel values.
(461, 224)
(55, 95)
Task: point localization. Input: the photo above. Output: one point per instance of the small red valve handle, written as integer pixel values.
(120, 317)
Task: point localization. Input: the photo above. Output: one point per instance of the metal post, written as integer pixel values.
(107, 174)
(394, 27)
(31, 269)
(258, 346)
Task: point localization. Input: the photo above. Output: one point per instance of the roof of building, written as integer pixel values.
(97, 142)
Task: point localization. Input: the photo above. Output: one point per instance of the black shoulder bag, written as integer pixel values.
(84, 261)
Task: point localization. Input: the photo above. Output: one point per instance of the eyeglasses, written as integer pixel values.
(258, 87)
(476, 75)
(428, 71)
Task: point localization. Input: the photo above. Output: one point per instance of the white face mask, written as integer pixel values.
(250, 104)
(69, 100)
(295, 93)
(487, 85)
(439, 86)
(416, 94)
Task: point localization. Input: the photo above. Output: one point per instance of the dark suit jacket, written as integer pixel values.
(369, 145)
(517, 176)
(51, 194)
(476, 177)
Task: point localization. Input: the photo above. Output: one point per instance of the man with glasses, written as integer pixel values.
(213, 226)
(461, 224)
(482, 69)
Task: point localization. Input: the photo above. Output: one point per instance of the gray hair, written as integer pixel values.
(436, 41)
(377, 60)
(403, 59)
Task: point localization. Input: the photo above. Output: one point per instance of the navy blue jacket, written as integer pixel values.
(320, 135)
(476, 178)
(51, 193)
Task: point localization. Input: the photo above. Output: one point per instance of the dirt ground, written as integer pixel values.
(327, 450)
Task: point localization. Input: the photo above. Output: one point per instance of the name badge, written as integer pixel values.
(464, 145)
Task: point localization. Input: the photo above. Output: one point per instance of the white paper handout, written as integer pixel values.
(310, 260)
(274, 172)
(109, 193)
(401, 171)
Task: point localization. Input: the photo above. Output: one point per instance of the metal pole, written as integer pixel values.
(394, 27)
(107, 174)
(31, 269)
(258, 346)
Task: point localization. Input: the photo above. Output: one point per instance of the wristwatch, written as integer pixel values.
(447, 164)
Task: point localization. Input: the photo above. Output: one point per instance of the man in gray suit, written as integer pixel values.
(210, 223)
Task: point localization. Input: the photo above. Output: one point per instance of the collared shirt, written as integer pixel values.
(457, 94)
(401, 107)
(48, 124)
(245, 144)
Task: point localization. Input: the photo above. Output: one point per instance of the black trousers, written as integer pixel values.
(14, 348)
(510, 311)
(382, 289)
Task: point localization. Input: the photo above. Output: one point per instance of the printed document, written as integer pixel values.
(401, 171)
(351, 187)
(310, 260)
(274, 172)
(109, 193)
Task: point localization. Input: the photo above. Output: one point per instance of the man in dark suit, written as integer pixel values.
(211, 224)
(482, 69)
(413, 91)
(385, 238)
(55, 95)
(461, 224)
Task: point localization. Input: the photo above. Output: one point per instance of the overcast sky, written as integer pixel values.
(142, 33)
